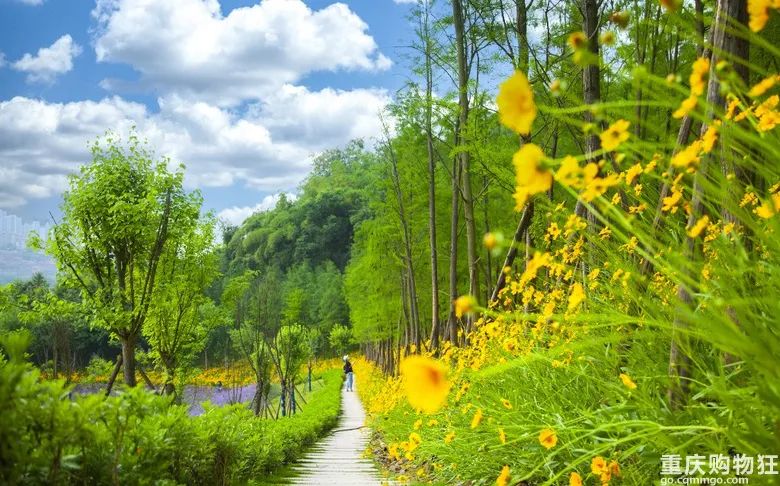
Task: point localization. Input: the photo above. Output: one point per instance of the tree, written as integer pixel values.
(121, 214)
(255, 305)
(464, 153)
(55, 317)
(175, 326)
(340, 339)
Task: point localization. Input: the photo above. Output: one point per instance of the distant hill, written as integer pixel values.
(22, 264)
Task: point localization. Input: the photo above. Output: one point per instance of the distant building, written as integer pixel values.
(14, 231)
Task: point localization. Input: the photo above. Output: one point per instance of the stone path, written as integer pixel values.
(338, 458)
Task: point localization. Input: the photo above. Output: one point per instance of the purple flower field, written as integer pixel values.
(193, 395)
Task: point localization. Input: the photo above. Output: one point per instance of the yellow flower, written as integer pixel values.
(548, 438)
(637, 209)
(510, 345)
(577, 40)
(614, 468)
(414, 440)
(598, 466)
(501, 435)
(490, 241)
(686, 106)
(699, 74)
(697, 228)
(529, 178)
(688, 156)
(425, 383)
(762, 86)
(731, 109)
(449, 437)
(632, 172)
(605, 233)
(627, 381)
(620, 18)
(608, 38)
(576, 297)
(616, 134)
(433, 423)
(709, 138)
(506, 403)
(575, 479)
(516, 107)
(596, 186)
(417, 424)
(569, 173)
(464, 305)
(671, 5)
(758, 10)
(553, 232)
(768, 105)
(764, 211)
(670, 202)
(476, 419)
(768, 121)
(392, 452)
(504, 477)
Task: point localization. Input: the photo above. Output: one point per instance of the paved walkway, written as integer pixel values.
(338, 458)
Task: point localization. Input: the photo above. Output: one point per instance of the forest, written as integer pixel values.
(558, 265)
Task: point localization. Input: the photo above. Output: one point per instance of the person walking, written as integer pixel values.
(350, 375)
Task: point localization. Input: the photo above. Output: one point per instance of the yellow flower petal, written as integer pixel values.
(516, 107)
(425, 383)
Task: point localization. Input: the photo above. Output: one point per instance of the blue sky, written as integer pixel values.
(244, 93)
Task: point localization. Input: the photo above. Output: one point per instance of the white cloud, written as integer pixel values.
(268, 147)
(229, 106)
(2, 59)
(319, 117)
(189, 47)
(31, 2)
(50, 61)
(237, 214)
(405, 1)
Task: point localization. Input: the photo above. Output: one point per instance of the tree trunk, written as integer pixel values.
(591, 74)
(489, 258)
(112, 378)
(149, 383)
(522, 227)
(454, 218)
(523, 51)
(465, 155)
(128, 359)
(414, 314)
(431, 181)
(725, 46)
(525, 218)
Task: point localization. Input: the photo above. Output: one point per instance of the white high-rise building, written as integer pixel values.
(14, 230)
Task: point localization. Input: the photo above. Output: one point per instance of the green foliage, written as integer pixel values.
(126, 222)
(97, 369)
(341, 339)
(138, 438)
(181, 314)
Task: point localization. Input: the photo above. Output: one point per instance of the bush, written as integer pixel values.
(98, 370)
(137, 437)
